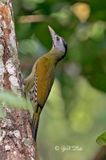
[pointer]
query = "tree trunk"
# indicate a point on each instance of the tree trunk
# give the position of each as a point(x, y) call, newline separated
point(16, 141)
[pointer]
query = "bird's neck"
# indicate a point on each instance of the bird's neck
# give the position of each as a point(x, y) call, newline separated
point(56, 55)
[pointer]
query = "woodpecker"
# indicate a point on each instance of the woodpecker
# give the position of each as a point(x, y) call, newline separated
point(39, 83)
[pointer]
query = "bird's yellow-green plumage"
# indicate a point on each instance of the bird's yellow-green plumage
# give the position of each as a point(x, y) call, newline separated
point(43, 74)
point(38, 84)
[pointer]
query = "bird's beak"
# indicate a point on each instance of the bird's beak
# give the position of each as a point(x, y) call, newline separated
point(52, 32)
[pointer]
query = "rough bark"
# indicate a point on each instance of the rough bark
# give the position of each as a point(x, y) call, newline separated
point(16, 141)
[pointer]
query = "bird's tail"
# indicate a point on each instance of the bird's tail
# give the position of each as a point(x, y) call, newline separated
point(35, 122)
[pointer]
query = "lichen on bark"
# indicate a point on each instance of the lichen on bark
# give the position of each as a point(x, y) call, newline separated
point(16, 140)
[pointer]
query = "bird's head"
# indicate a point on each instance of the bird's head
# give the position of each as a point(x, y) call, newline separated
point(58, 42)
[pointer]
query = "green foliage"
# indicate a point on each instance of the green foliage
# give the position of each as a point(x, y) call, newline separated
point(101, 140)
point(76, 111)
point(13, 101)
point(85, 34)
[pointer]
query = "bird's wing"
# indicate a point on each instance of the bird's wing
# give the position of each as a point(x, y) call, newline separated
point(38, 86)
point(30, 90)
point(44, 79)
point(28, 83)
point(44, 76)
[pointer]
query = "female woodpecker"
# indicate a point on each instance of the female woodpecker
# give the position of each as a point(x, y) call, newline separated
point(38, 84)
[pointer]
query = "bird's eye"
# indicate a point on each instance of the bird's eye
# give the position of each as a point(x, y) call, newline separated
point(57, 38)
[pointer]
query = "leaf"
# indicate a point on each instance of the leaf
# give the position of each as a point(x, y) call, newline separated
point(101, 140)
point(13, 100)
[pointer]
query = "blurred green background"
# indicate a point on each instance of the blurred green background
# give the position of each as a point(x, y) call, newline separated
point(75, 112)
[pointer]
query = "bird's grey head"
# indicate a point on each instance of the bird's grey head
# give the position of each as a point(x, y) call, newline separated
point(58, 42)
